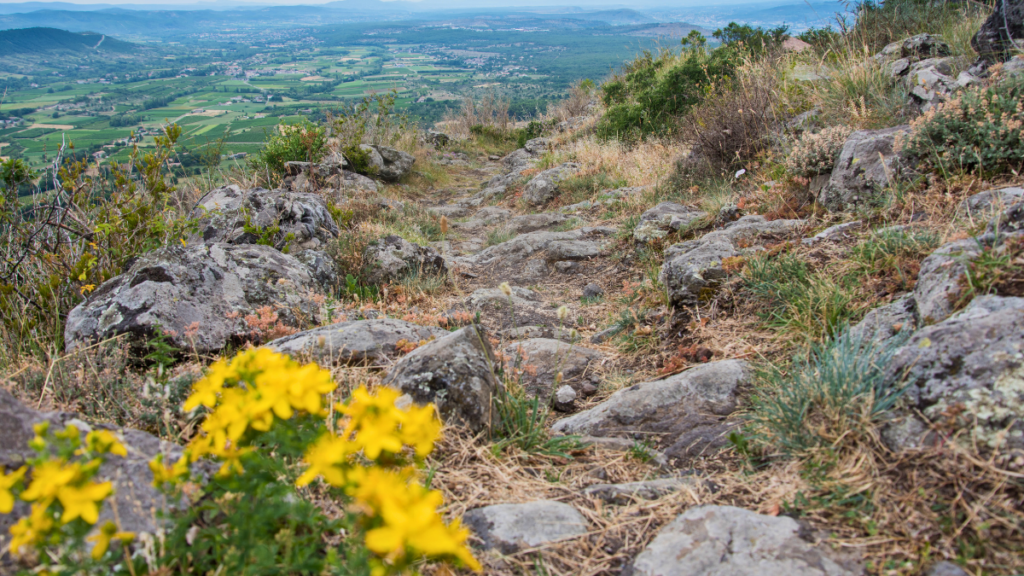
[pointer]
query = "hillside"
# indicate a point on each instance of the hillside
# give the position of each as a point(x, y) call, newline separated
point(750, 310)
point(23, 41)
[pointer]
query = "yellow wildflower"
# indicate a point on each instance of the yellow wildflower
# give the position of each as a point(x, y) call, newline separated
point(83, 501)
point(48, 478)
point(324, 458)
point(86, 289)
point(32, 529)
point(107, 533)
point(7, 482)
point(104, 442)
point(163, 473)
point(420, 429)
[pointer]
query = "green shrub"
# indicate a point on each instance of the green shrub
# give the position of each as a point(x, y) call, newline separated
point(978, 131)
point(652, 92)
point(301, 142)
point(837, 389)
point(754, 40)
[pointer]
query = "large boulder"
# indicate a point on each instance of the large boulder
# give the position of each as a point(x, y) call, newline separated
point(134, 496)
point(867, 163)
point(664, 218)
point(514, 527)
point(692, 270)
point(395, 164)
point(729, 541)
point(688, 410)
point(456, 374)
point(543, 187)
point(542, 359)
point(970, 366)
point(1002, 33)
point(391, 258)
point(238, 216)
point(370, 341)
point(198, 296)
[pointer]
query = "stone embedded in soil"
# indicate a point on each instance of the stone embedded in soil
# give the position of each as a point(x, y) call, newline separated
point(938, 283)
point(984, 204)
point(946, 569)
point(455, 373)
point(514, 527)
point(541, 359)
point(533, 222)
point(526, 258)
point(971, 364)
point(729, 541)
point(664, 218)
point(393, 257)
point(630, 491)
point(861, 171)
point(564, 399)
point(134, 495)
point(688, 411)
point(198, 296)
point(837, 232)
point(372, 341)
point(886, 322)
point(524, 313)
point(592, 291)
point(543, 187)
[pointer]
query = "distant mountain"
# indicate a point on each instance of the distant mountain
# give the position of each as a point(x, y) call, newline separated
point(39, 40)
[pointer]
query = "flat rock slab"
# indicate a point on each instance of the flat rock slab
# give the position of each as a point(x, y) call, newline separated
point(688, 409)
point(728, 541)
point(630, 491)
point(371, 341)
point(541, 359)
point(514, 527)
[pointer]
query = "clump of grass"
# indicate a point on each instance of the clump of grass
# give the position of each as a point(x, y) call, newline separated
point(498, 235)
point(799, 301)
point(997, 270)
point(523, 424)
point(417, 281)
point(891, 249)
point(837, 390)
point(580, 187)
point(570, 224)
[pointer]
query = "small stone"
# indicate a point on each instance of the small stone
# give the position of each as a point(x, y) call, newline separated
point(592, 291)
point(564, 399)
point(513, 527)
point(946, 569)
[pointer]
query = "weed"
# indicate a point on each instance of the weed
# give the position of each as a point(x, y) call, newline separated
point(641, 451)
point(522, 423)
point(997, 270)
point(499, 235)
point(415, 281)
point(894, 252)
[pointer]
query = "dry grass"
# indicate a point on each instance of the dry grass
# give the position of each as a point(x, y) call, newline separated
point(645, 164)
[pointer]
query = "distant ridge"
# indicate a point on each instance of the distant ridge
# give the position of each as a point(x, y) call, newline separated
point(39, 40)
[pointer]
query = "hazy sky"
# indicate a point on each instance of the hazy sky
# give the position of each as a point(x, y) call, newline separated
point(191, 4)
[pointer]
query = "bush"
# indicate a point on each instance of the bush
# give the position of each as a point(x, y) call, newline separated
point(652, 92)
point(268, 427)
point(816, 153)
point(302, 142)
point(978, 131)
point(754, 40)
point(837, 390)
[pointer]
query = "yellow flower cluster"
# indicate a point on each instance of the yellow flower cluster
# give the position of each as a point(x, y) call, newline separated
point(246, 393)
point(59, 481)
point(402, 514)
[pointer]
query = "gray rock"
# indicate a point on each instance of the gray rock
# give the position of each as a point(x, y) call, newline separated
point(371, 341)
point(392, 257)
point(728, 541)
point(837, 232)
point(564, 399)
point(662, 219)
point(1014, 66)
point(1002, 32)
point(211, 286)
point(542, 359)
point(134, 495)
point(450, 211)
point(946, 569)
point(915, 48)
point(542, 188)
point(537, 146)
point(861, 171)
point(514, 527)
point(938, 283)
point(223, 214)
point(971, 364)
point(560, 250)
point(930, 82)
point(513, 260)
point(906, 432)
point(568, 267)
point(605, 335)
point(394, 163)
point(533, 222)
point(984, 204)
point(522, 315)
point(321, 267)
point(592, 291)
point(885, 322)
point(688, 409)
point(438, 139)
point(631, 491)
point(456, 374)
point(376, 163)
point(1008, 222)
point(352, 181)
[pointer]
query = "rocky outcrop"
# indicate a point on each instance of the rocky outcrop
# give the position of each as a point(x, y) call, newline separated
point(664, 218)
point(394, 164)
point(543, 359)
point(544, 186)
point(1002, 33)
point(692, 270)
point(516, 162)
point(867, 164)
point(915, 48)
point(530, 257)
point(134, 496)
point(237, 216)
point(931, 82)
point(197, 296)
point(970, 365)
point(986, 204)
point(391, 258)
point(369, 341)
point(938, 283)
point(688, 410)
point(514, 527)
point(723, 540)
point(519, 315)
point(456, 374)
